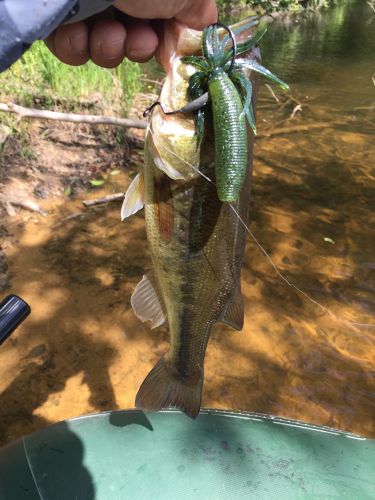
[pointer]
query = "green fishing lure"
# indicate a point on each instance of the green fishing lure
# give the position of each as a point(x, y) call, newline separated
point(221, 80)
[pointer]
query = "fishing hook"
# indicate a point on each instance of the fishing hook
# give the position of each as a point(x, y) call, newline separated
point(234, 43)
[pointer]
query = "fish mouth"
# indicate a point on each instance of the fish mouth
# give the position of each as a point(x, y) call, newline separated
point(177, 39)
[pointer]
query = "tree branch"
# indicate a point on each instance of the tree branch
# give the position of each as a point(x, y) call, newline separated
point(298, 128)
point(105, 199)
point(23, 112)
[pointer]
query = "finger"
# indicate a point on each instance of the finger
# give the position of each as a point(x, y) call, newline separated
point(195, 13)
point(141, 41)
point(50, 42)
point(107, 43)
point(198, 14)
point(70, 43)
point(148, 9)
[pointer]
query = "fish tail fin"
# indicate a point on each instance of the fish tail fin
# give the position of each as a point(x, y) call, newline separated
point(163, 388)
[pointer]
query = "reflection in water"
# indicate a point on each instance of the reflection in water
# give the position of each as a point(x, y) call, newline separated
point(313, 211)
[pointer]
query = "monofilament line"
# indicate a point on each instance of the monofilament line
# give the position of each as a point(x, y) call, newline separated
point(284, 278)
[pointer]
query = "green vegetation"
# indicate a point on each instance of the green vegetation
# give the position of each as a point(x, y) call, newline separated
point(38, 78)
point(228, 7)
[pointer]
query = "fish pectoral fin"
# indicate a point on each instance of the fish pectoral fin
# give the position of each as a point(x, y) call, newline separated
point(164, 388)
point(146, 301)
point(233, 314)
point(162, 164)
point(134, 197)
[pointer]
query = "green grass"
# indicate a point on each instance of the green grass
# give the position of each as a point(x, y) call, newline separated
point(40, 78)
point(226, 7)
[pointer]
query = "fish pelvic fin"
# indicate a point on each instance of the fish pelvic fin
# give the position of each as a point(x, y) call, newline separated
point(164, 388)
point(233, 314)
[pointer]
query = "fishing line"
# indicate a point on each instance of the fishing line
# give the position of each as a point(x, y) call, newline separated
point(252, 235)
point(285, 279)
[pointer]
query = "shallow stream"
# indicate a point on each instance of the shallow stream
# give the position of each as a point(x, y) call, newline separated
point(82, 350)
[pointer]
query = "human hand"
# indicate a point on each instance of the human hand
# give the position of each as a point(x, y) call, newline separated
point(107, 40)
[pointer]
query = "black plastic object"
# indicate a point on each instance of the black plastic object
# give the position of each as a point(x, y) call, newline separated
point(13, 310)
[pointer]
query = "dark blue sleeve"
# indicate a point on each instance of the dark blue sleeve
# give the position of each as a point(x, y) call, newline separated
point(24, 21)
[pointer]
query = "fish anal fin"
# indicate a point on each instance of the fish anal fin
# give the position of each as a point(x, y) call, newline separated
point(163, 388)
point(134, 197)
point(147, 302)
point(233, 314)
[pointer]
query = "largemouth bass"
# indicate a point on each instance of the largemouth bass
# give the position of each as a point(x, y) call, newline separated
point(196, 241)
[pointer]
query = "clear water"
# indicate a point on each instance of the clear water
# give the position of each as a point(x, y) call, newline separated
point(314, 213)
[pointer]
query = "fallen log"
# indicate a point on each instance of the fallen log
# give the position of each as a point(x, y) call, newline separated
point(41, 114)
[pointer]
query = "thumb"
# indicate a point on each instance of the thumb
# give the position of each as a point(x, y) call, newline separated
point(198, 14)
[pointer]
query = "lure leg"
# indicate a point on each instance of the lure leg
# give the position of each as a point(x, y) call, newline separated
point(213, 51)
point(246, 46)
point(196, 61)
point(258, 68)
point(246, 90)
point(253, 21)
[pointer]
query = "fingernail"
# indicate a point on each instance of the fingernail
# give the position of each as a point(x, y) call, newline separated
point(78, 43)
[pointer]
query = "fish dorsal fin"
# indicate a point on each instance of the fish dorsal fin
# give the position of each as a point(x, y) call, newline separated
point(146, 301)
point(233, 313)
point(134, 197)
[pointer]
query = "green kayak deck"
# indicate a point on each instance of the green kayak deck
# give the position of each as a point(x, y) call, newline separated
point(221, 455)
